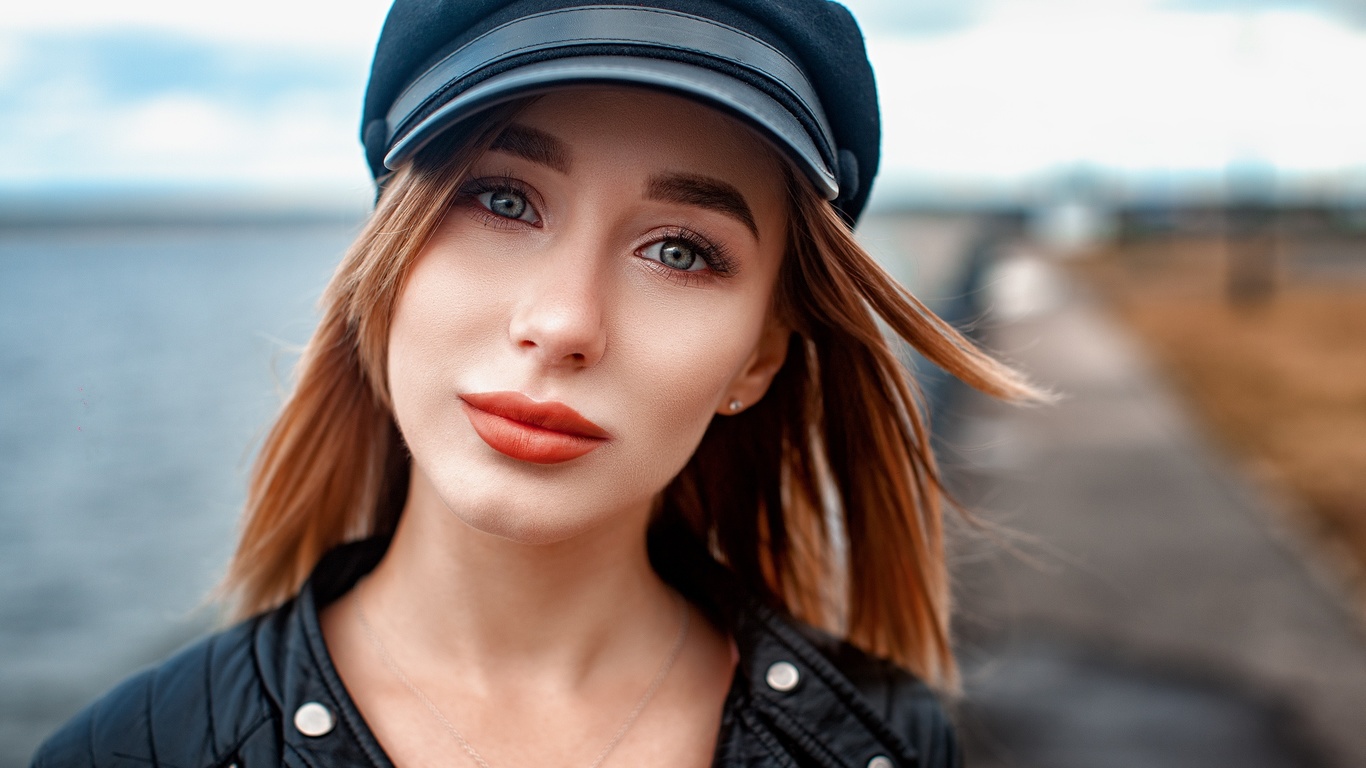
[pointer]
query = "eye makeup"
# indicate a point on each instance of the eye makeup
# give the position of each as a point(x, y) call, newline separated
point(473, 189)
point(504, 189)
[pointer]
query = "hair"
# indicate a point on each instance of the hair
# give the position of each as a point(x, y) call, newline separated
point(832, 468)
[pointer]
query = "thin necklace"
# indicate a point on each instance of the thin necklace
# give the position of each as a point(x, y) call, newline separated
point(460, 738)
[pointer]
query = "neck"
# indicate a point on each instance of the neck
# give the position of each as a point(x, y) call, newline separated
point(458, 595)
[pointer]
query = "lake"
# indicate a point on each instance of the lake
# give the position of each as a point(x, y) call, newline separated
point(138, 366)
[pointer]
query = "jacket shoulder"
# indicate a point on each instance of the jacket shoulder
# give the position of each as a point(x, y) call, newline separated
point(909, 707)
point(201, 707)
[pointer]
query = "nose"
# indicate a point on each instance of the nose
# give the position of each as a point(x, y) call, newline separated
point(559, 317)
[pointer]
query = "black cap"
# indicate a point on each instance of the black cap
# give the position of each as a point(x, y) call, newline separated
point(795, 70)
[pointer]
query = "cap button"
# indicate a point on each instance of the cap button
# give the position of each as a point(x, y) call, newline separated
point(782, 676)
point(881, 761)
point(313, 719)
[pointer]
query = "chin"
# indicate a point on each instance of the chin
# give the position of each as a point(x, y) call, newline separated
point(535, 526)
point(531, 512)
point(468, 485)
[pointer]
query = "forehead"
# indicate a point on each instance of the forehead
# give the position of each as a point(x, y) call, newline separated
point(650, 130)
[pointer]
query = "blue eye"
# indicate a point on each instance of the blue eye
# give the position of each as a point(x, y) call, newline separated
point(677, 254)
point(507, 203)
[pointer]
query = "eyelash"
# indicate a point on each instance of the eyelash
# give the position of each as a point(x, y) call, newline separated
point(720, 263)
point(473, 188)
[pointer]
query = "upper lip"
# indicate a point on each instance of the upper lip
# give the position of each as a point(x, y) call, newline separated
point(551, 415)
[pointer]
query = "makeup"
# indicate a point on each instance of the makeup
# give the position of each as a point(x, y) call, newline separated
point(538, 432)
point(586, 287)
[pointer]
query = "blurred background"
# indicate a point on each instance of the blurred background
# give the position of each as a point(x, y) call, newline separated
point(1155, 207)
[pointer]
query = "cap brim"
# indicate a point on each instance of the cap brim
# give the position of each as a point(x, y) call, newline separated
point(710, 87)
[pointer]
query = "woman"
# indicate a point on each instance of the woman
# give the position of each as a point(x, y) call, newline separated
point(600, 401)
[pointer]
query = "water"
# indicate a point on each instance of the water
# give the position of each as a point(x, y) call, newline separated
point(138, 367)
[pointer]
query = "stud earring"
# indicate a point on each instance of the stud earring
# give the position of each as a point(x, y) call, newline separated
point(735, 406)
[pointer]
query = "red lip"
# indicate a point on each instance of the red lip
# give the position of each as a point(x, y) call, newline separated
point(541, 433)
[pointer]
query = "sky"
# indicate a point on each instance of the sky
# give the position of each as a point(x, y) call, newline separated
point(978, 96)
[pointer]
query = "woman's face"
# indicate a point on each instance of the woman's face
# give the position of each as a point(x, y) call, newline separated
point(600, 288)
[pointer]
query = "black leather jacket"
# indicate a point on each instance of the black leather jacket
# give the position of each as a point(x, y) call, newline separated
point(265, 693)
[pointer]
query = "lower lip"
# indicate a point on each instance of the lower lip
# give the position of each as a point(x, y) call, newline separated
point(525, 442)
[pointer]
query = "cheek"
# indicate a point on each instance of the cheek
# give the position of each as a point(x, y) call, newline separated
point(676, 374)
point(444, 316)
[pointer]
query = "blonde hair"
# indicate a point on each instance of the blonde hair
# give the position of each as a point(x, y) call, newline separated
point(832, 467)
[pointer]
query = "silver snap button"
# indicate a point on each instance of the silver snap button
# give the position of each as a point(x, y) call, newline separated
point(881, 761)
point(782, 676)
point(313, 719)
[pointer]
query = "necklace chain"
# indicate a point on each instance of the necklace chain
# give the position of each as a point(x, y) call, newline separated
point(460, 738)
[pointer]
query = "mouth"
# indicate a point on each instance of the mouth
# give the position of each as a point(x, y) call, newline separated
point(538, 432)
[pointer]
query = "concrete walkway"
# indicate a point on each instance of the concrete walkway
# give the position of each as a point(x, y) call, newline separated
point(1158, 609)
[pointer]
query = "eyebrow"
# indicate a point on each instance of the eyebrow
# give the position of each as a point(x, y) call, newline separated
point(537, 146)
point(703, 192)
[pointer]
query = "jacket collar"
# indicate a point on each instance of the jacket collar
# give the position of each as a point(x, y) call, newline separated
point(768, 710)
point(298, 671)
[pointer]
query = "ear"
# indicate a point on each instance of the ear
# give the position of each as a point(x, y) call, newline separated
point(757, 374)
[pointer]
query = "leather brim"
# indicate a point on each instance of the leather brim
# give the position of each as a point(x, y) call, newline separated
point(711, 88)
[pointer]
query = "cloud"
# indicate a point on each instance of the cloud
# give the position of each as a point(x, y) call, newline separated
point(129, 64)
point(1137, 92)
point(140, 106)
point(909, 18)
point(319, 24)
point(1352, 11)
point(1007, 90)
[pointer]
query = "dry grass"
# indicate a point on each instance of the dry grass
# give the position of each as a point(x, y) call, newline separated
point(1281, 382)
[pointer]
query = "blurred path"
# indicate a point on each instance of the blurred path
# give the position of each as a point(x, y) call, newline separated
point(1170, 619)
